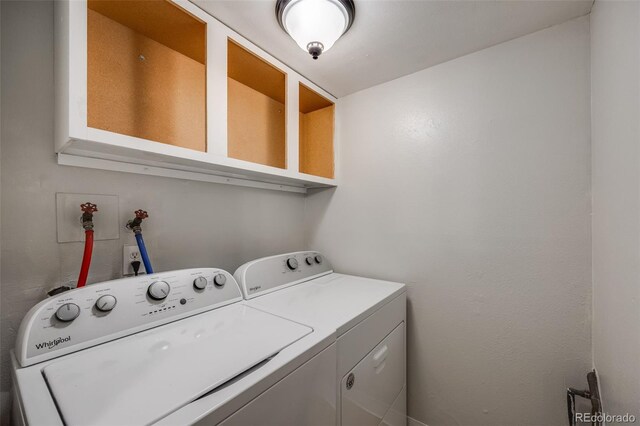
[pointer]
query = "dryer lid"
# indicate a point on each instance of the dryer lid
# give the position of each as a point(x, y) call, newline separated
point(142, 378)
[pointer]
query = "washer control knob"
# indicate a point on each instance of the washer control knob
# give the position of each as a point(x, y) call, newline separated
point(200, 283)
point(106, 303)
point(219, 280)
point(292, 263)
point(318, 259)
point(309, 260)
point(159, 290)
point(68, 312)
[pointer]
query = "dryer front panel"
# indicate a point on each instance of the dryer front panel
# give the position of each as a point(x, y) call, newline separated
point(369, 390)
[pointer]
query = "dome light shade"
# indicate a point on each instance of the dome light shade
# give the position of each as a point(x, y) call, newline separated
point(315, 25)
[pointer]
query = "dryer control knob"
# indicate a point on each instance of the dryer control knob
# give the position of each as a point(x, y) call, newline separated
point(318, 259)
point(159, 290)
point(68, 312)
point(200, 283)
point(219, 280)
point(106, 303)
point(292, 263)
point(309, 260)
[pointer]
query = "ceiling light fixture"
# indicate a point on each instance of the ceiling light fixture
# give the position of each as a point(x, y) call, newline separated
point(315, 24)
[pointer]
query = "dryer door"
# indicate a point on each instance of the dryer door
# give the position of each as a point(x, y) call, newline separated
point(370, 389)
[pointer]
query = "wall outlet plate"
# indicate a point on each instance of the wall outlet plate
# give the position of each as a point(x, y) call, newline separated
point(131, 254)
point(69, 217)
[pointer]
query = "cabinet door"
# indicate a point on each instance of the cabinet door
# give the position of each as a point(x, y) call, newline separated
point(369, 390)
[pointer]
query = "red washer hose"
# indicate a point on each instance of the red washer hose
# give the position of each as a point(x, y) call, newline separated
point(86, 258)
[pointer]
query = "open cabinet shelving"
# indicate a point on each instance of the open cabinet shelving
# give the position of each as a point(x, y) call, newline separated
point(256, 111)
point(316, 133)
point(161, 87)
point(144, 77)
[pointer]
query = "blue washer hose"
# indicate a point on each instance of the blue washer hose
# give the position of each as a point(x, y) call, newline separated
point(143, 253)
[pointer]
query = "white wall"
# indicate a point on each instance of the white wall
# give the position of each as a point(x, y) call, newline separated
point(615, 130)
point(469, 181)
point(190, 224)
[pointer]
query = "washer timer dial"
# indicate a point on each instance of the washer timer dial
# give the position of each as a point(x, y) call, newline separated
point(159, 290)
point(292, 263)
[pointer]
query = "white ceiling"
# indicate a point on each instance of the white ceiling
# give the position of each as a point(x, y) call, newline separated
point(392, 38)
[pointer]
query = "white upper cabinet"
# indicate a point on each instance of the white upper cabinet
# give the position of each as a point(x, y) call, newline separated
point(160, 87)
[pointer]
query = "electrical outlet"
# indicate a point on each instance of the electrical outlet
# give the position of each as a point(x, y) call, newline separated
point(131, 254)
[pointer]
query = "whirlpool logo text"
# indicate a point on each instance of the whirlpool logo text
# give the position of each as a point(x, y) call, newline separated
point(53, 343)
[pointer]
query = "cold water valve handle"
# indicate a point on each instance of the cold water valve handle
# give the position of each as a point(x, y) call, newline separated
point(135, 225)
point(141, 214)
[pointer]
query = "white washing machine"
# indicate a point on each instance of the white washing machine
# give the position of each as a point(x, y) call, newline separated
point(369, 319)
point(171, 348)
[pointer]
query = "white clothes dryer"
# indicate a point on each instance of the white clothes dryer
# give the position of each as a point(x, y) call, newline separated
point(368, 316)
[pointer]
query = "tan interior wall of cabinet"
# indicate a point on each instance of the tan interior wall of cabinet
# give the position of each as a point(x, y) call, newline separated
point(316, 134)
point(256, 119)
point(161, 98)
point(316, 142)
point(256, 126)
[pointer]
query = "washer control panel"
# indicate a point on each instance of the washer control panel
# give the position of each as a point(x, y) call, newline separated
point(101, 312)
point(268, 274)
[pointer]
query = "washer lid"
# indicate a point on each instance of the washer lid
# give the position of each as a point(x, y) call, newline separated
point(142, 378)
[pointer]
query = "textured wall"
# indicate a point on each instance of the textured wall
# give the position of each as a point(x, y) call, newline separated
point(191, 223)
point(615, 132)
point(469, 181)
